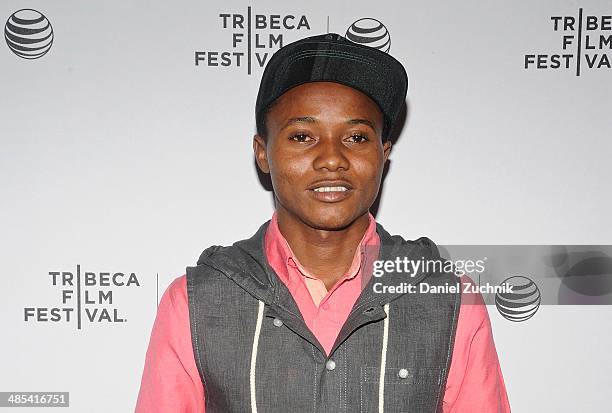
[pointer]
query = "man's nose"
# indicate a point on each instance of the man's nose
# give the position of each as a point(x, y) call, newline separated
point(331, 155)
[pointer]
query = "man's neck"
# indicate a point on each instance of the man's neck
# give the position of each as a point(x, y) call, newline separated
point(326, 254)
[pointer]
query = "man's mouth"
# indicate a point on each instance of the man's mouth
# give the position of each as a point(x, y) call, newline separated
point(330, 185)
point(331, 189)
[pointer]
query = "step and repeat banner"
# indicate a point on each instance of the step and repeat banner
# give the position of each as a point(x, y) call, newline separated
point(126, 149)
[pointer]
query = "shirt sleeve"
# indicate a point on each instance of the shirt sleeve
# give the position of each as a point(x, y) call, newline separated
point(170, 380)
point(475, 382)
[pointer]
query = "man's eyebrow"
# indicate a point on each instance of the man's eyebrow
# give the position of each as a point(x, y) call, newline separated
point(298, 119)
point(310, 119)
point(362, 122)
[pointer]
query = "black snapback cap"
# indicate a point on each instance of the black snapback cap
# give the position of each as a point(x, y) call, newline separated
point(333, 58)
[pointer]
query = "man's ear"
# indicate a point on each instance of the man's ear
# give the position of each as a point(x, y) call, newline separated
point(261, 157)
point(386, 149)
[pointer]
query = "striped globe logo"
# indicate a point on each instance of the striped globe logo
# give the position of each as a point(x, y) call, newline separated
point(522, 303)
point(28, 34)
point(370, 32)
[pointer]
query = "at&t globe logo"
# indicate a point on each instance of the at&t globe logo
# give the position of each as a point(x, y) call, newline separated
point(370, 32)
point(522, 303)
point(28, 34)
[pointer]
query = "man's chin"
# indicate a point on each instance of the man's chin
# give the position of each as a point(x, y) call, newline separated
point(331, 220)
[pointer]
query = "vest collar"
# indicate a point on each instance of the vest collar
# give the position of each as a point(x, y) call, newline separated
point(246, 264)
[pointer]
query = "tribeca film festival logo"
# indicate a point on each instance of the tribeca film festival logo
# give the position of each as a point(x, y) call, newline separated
point(85, 297)
point(585, 41)
point(28, 34)
point(253, 38)
point(370, 32)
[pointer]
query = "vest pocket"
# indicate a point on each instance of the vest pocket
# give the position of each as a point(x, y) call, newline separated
point(405, 389)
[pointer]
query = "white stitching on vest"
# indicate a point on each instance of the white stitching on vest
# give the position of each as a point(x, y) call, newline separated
point(314, 393)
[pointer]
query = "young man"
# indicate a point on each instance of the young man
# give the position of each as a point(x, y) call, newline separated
point(292, 319)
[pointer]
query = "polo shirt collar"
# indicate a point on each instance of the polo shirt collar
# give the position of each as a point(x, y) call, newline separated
point(276, 243)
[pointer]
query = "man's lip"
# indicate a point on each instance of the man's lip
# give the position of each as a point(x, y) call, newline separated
point(320, 184)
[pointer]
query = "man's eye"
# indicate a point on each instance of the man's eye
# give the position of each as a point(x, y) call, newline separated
point(358, 138)
point(300, 137)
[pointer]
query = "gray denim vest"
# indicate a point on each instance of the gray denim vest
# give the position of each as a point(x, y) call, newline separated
point(255, 353)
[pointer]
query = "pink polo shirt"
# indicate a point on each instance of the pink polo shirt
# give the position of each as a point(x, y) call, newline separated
point(171, 382)
point(324, 312)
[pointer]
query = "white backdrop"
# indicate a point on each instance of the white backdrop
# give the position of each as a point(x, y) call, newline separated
point(120, 154)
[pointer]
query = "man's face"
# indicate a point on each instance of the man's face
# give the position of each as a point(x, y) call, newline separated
point(324, 154)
